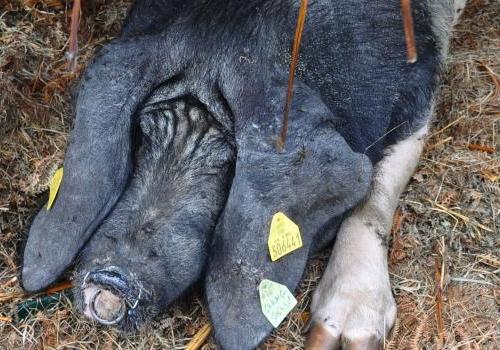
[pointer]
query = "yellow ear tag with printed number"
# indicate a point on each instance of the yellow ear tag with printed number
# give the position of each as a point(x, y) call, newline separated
point(276, 301)
point(54, 187)
point(284, 236)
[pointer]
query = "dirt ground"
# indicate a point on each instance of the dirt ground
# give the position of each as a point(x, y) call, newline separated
point(445, 248)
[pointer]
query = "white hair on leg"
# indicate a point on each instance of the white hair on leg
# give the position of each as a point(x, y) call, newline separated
point(354, 301)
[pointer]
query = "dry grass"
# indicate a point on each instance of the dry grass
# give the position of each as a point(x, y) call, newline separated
point(445, 258)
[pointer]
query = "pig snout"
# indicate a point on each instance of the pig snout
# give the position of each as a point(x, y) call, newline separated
point(103, 305)
point(108, 296)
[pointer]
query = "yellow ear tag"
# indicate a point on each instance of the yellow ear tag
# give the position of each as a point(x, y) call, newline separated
point(54, 187)
point(284, 236)
point(276, 301)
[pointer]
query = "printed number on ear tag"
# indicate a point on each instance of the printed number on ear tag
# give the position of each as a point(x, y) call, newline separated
point(54, 187)
point(284, 236)
point(276, 301)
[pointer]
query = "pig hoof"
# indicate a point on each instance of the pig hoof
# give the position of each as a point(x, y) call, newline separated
point(350, 315)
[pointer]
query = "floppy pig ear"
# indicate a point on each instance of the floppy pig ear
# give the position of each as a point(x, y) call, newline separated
point(98, 159)
point(314, 181)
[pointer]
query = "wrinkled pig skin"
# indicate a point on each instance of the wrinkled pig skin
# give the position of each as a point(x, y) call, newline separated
point(149, 197)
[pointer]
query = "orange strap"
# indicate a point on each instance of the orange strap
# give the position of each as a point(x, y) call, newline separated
point(73, 35)
point(291, 76)
point(411, 47)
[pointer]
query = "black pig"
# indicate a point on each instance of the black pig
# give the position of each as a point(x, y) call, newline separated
point(172, 159)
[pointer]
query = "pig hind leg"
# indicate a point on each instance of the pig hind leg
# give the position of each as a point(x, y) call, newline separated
point(353, 305)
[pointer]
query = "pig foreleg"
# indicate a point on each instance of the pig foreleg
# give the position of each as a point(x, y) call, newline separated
point(353, 305)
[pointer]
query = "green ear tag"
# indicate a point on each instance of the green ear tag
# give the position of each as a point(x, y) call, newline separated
point(54, 187)
point(276, 301)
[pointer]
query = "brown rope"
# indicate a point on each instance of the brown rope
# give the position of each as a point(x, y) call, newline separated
point(73, 36)
point(291, 76)
point(411, 47)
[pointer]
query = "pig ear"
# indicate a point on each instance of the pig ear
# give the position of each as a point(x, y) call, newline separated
point(314, 181)
point(95, 172)
point(97, 163)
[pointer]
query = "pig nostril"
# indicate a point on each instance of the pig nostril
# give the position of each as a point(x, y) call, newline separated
point(109, 296)
point(107, 308)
